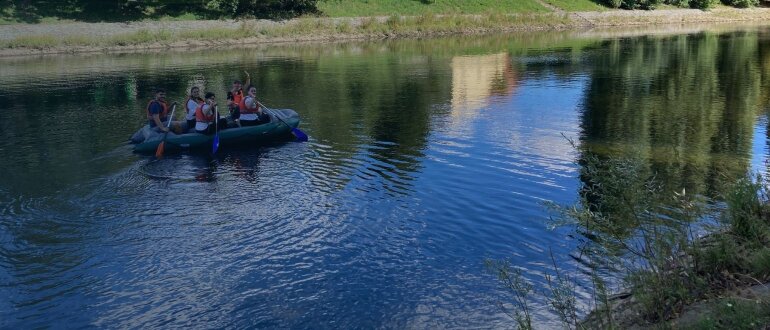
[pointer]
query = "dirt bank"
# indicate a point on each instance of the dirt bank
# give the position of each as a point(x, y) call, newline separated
point(88, 35)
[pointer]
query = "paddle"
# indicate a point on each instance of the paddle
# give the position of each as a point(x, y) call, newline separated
point(162, 145)
point(300, 135)
point(215, 145)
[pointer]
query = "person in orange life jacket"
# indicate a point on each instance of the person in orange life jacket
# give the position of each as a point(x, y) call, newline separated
point(205, 116)
point(234, 98)
point(191, 103)
point(251, 112)
point(158, 111)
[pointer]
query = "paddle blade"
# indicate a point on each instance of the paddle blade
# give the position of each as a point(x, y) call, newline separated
point(161, 148)
point(301, 136)
point(215, 145)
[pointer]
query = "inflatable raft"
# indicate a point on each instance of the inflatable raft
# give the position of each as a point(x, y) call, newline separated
point(146, 140)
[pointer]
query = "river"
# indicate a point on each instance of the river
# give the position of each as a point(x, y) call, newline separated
point(425, 158)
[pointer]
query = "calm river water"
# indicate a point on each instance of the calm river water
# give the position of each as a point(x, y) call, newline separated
point(426, 157)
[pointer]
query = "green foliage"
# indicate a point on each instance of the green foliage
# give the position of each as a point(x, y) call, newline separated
point(748, 210)
point(361, 8)
point(759, 261)
point(666, 266)
point(701, 4)
point(129, 10)
point(678, 3)
point(513, 280)
point(141, 37)
point(651, 4)
point(264, 8)
point(633, 4)
point(576, 5)
point(560, 296)
point(662, 295)
point(720, 255)
point(736, 314)
point(640, 4)
point(741, 3)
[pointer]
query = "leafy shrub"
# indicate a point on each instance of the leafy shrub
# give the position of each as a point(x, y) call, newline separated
point(741, 3)
point(701, 4)
point(748, 210)
point(264, 8)
point(678, 3)
point(640, 4)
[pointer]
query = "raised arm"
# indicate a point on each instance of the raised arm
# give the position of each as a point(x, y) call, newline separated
point(248, 79)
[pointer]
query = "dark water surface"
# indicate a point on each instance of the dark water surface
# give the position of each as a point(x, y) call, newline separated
point(425, 158)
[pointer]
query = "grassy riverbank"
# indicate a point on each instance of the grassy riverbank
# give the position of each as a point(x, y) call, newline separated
point(355, 8)
point(297, 29)
point(167, 34)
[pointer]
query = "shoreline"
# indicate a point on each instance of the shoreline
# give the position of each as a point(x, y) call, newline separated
point(80, 38)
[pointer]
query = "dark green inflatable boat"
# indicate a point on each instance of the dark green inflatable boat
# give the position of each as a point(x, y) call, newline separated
point(146, 140)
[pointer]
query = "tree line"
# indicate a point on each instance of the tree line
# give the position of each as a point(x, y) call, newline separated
point(125, 10)
point(700, 4)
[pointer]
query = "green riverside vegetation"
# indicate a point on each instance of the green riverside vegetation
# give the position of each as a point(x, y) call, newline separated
point(360, 8)
point(576, 5)
point(665, 265)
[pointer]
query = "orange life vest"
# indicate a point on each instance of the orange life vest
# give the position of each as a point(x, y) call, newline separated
point(238, 97)
point(163, 112)
point(200, 117)
point(245, 109)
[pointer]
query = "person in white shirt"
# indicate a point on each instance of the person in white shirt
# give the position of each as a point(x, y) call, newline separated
point(251, 113)
point(205, 115)
point(192, 103)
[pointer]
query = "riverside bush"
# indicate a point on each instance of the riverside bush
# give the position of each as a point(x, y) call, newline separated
point(741, 3)
point(701, 4)
point(633, 4)
point(632, 228)
point(678, 3)
point(126, 10)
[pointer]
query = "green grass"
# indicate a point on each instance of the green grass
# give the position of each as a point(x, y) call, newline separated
point(183, 17)
point(141, 37)
point(360, 8)
point(576, 5)
point(735, 314)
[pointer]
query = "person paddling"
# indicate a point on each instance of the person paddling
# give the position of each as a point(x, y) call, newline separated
point(192, 103)
point(157, 112)
point(205, 116)
point(234, 98)
point(251, 113)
